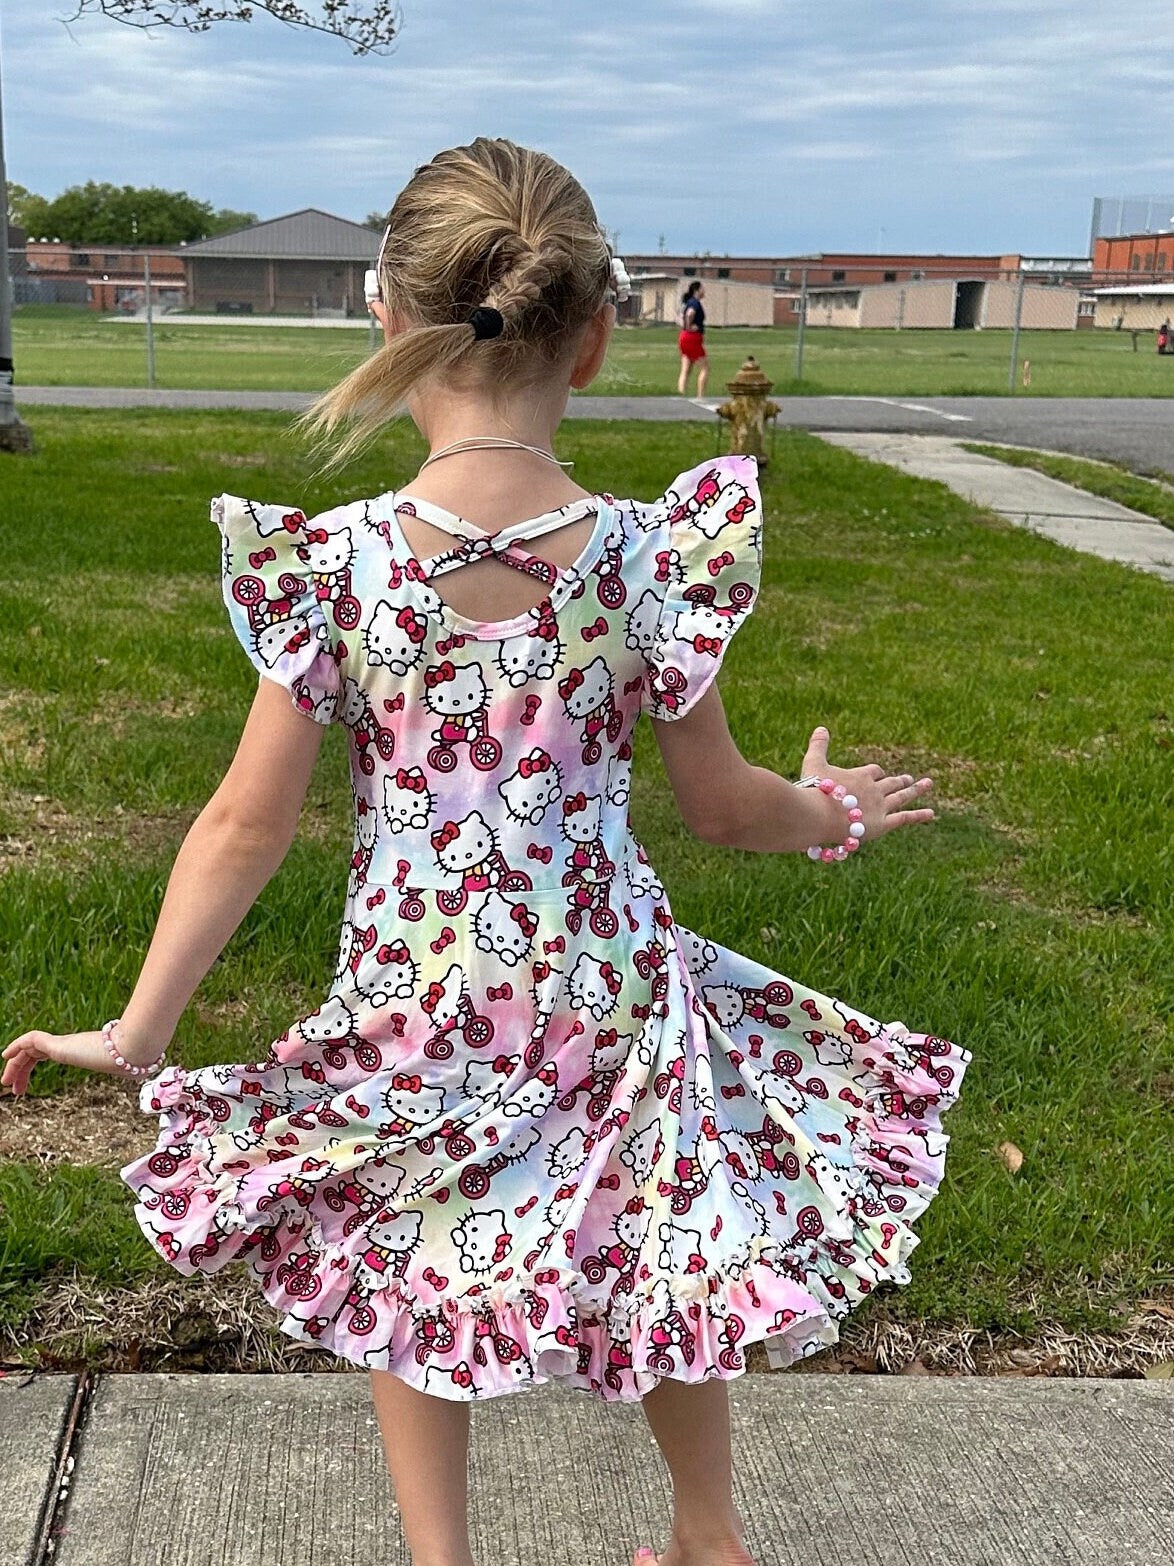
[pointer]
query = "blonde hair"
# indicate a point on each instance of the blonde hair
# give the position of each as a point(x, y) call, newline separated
point(488, 224)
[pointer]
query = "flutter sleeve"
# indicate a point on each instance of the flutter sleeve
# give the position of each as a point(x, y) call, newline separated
point(272, 592)
point(710, 561)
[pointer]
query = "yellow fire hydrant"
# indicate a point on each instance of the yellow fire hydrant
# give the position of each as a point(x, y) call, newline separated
point(748, 410)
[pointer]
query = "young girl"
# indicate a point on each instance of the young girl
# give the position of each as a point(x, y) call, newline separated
point(536, 1131)
point(691, 340)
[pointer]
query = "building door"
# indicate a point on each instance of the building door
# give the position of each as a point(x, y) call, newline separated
point(967, 305)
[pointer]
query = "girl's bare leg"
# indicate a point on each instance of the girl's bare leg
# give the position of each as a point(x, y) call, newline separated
point(702, 376)
point(692, 1428)
point(683, 378)
point(427, 1444)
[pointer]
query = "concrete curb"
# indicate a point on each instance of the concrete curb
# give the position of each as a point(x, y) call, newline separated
point(1069, 516)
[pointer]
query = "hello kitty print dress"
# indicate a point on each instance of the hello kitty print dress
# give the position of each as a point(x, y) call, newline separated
point(535, 1131)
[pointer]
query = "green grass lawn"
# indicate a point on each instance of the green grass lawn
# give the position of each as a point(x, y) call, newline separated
point(1032, 922)
point(59, 346)
point(1154, 498)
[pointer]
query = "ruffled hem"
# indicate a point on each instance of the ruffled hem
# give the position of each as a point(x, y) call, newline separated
point(554, 1324)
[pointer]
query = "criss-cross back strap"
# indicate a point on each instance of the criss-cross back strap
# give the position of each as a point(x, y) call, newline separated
point(472, 543)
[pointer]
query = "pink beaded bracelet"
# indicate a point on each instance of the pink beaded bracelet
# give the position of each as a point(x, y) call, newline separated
point(851, 804)
point(123, 1064)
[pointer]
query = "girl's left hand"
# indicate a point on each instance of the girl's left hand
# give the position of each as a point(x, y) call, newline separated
point(87, 1050)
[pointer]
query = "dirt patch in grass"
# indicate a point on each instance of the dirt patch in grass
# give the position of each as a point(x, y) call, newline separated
point(97, 1123)
point(224, 1323)
point(44, 827)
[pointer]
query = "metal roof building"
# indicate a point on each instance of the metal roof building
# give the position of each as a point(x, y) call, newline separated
point(305, 263)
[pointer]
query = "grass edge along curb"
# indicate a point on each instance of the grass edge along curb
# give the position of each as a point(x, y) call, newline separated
point(1151, 495)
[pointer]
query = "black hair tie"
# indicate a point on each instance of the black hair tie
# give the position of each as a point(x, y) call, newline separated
point(486, 322)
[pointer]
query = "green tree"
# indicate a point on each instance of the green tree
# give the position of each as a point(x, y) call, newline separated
point(224, 221)
point(376, 220)
point(103, 214)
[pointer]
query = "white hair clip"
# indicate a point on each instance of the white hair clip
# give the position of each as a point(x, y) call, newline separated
point(620, 280)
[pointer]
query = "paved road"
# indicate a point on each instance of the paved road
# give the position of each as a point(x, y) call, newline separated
point(845, 1470)
point(1137, 431)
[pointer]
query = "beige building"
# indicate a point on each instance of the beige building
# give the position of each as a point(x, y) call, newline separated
point(943, 303)
point(1142, 308)
point(656, 300)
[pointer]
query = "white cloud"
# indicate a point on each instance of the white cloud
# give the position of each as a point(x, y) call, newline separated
point(724, 124)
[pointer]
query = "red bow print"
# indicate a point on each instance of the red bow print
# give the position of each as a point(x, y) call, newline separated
point(298, 639)
point(715, 565)
point(406, 1084)
point(547, 628)
point(398, 953)
point(529, 765)
point(568, 687)
point(259, 557)
point(737, 512)
point(707, 644)
point(664, 559)
point(316, 535)
point(412, 624)
point(544, 854)
point(574, 802)
point(524, 919)
point(532, 705)
point(590, 632)
point(442, 673)
point(413, 780)
point(293, 520)
point(448, 833)
point(611, 978)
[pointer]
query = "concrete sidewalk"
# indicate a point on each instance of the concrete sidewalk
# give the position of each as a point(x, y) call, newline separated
point(833, 1470)
point(1061, 512)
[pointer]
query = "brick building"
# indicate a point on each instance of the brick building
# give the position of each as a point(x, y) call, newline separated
point(104, 277)
point(1123, 258)
point(305, 263)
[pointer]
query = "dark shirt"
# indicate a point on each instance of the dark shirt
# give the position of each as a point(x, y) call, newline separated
point(696, 322)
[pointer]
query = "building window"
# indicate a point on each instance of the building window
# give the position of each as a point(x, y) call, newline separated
point(782, 274)
point(110, 261)
point(837, 277)
point(688, 271)
point(1135, 262)
point(917, 275)
point(79, 258)
point(1161, 261)
point(890, 277)
point(723, 271)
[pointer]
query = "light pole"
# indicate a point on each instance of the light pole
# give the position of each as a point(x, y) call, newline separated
point(14, 434)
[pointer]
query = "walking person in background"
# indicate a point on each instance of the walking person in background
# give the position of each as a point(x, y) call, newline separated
point(1164, 337)
point(692, 339)
point(525, 1076)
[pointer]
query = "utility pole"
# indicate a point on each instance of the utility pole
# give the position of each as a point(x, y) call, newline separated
point(14, 434)
point(150, 320)
point(802, 326)
point(1011, 368)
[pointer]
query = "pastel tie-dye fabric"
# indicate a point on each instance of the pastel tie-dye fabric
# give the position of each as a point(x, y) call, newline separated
point(535, 1130)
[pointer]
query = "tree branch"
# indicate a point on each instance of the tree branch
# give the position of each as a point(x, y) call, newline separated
point(369, 28)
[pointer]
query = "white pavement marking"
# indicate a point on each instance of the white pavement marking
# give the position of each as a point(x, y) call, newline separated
point(913, 407)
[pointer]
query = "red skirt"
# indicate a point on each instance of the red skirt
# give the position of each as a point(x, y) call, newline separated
point(692, 345)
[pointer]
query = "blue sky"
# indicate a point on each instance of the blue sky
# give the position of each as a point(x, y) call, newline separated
point(734, 126)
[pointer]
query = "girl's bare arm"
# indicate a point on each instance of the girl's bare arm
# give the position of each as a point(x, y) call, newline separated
point(724, 799)
point(233, 848)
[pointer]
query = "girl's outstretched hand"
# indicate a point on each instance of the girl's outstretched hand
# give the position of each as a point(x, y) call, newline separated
point(70, 1049)
point(883, 796)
